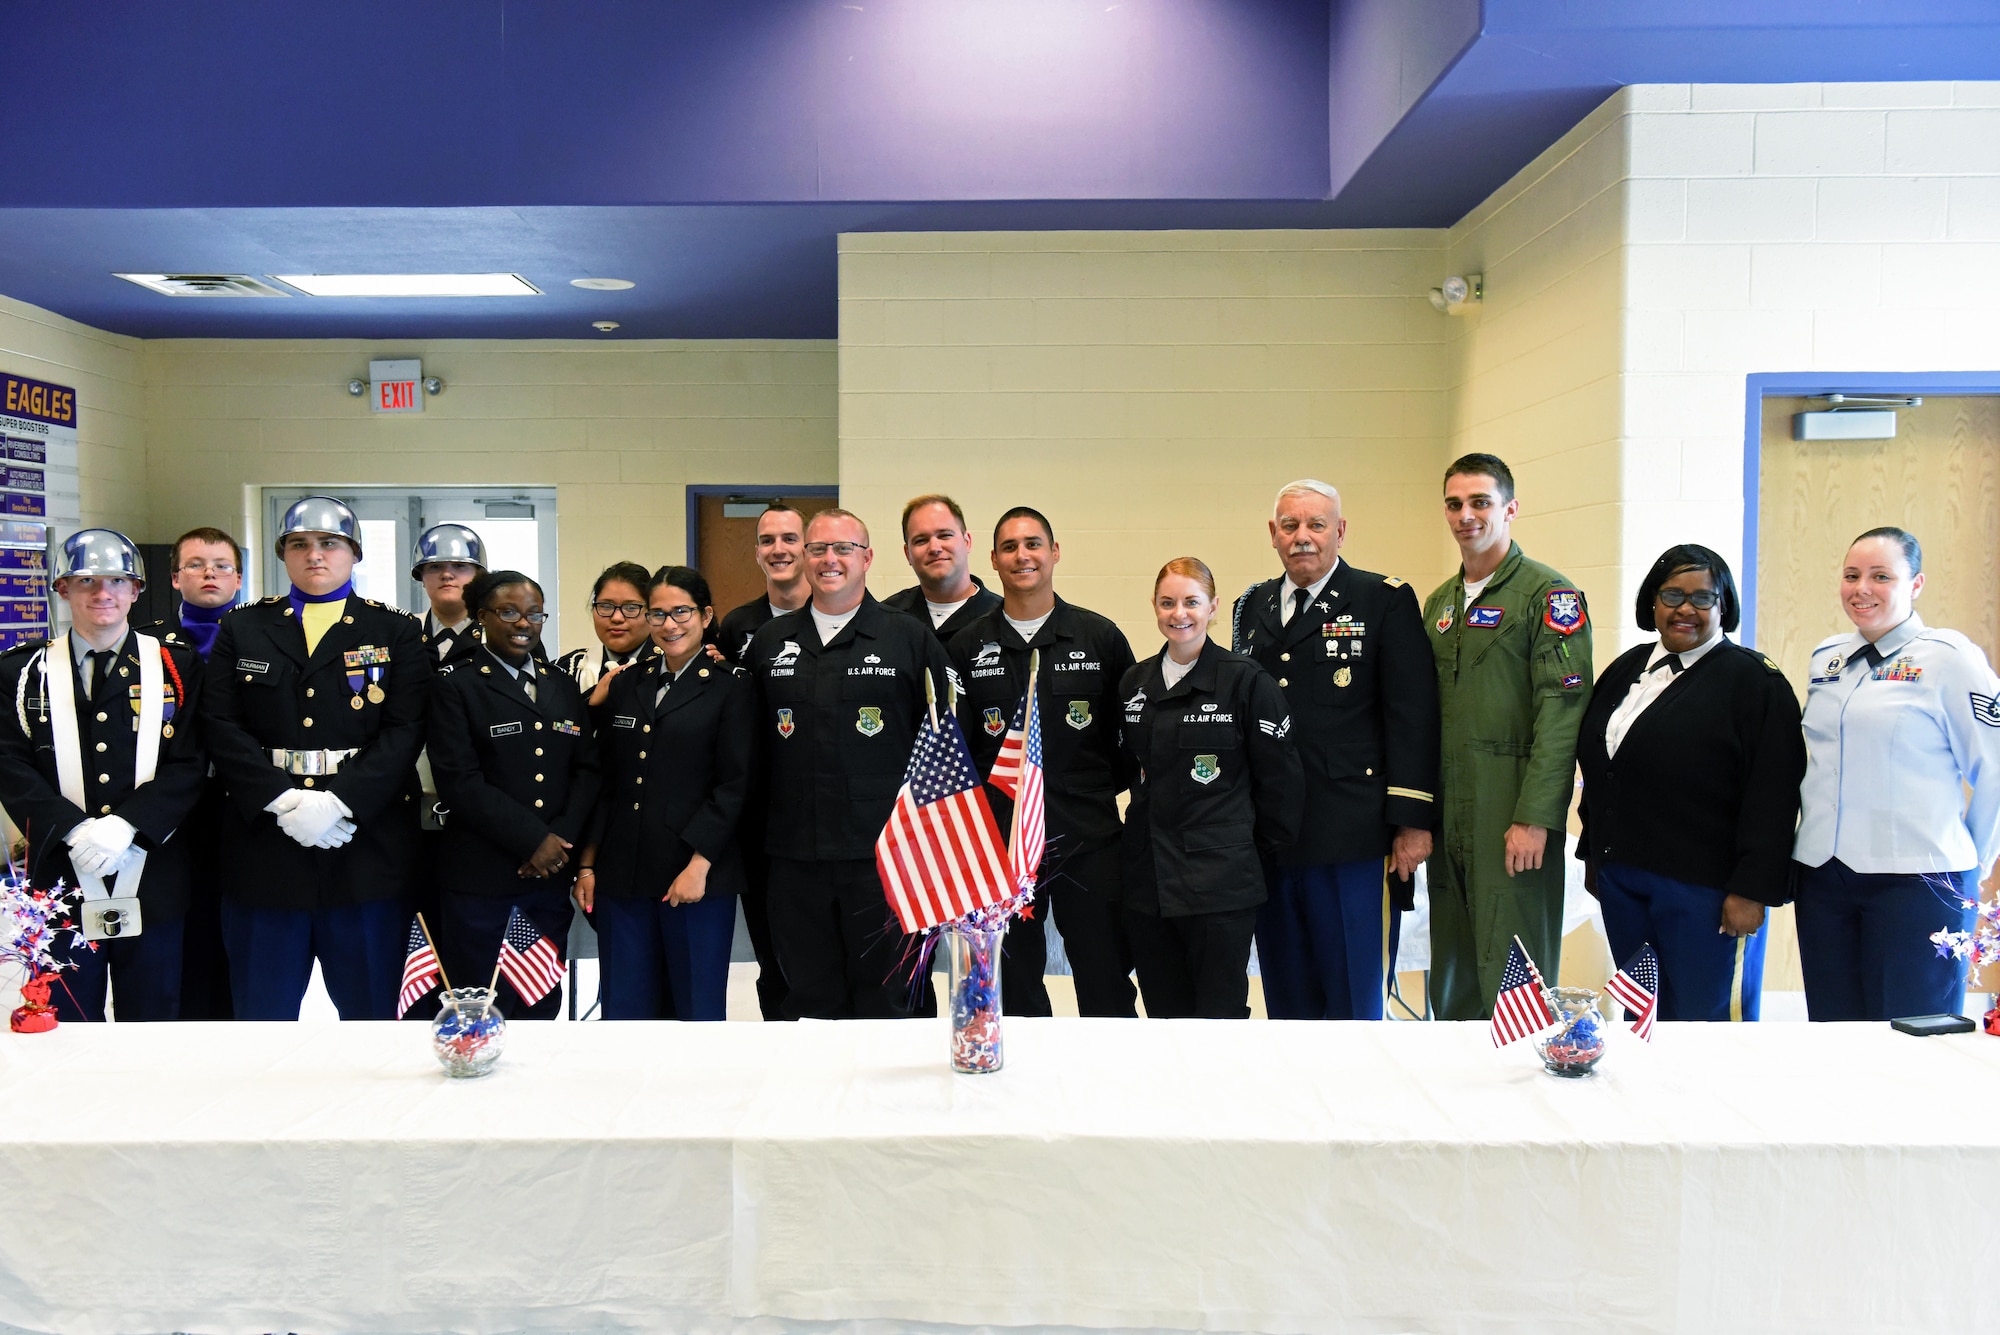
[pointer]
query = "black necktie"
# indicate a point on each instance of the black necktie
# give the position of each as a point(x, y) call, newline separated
point(100, 670)
point(1871, 656)
point(1673, 664)
point(1299, 598)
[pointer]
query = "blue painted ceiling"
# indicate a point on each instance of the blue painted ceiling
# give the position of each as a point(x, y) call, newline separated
point(711, 150)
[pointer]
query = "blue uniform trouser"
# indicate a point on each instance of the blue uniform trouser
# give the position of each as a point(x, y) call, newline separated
point(1319, 941)
point(144, 972)
point(473, 927)
point(661, 961)
point(359, 948)
point(1704, 975)
point(1865, 941)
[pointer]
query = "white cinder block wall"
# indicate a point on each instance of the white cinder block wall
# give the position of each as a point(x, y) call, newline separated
point(619, 430)
point(1839, 228)
point(1148, 391)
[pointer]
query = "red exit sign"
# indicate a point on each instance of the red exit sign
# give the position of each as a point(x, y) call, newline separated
point(394, 386)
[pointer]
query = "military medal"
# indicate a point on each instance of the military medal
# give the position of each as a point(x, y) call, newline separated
point(1343, 676)
point(376, 695)
point(365, 665)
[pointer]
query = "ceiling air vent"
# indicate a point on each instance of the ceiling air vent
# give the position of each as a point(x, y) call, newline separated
point(204, 284)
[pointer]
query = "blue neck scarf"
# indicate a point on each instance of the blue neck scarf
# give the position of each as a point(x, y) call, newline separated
point(299, 598)
point(201, 624)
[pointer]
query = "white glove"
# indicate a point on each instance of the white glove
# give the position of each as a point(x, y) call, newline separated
point(312, 817)
point(98, 846)
point(284, 801)
point(340, 832)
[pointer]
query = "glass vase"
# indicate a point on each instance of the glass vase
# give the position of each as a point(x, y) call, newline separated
point(469, 1032)
point(1572, 1049)
point(974, 955)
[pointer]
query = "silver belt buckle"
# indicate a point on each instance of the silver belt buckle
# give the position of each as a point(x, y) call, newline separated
point(307, 762)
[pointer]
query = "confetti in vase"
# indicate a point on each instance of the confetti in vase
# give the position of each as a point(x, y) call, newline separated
point(974, 954)
point(469, 1032)
point(1573, 1048)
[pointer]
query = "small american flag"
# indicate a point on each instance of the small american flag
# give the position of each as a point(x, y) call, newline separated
point(1520, 1010)
point(939, 856)
point(1017, 772)
point(420, 970)
point(1637, 988)
point(529, 959)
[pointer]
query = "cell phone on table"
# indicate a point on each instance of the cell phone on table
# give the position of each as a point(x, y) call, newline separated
point(1927, 1026)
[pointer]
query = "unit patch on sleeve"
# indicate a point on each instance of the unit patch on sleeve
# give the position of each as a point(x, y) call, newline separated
point(1565, 615)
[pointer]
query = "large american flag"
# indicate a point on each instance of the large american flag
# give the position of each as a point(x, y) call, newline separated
point(529, 959)
point(1017, 772)
point(1520, 1010)
point(1637, 988)
point(939, 856)
point(420, 969)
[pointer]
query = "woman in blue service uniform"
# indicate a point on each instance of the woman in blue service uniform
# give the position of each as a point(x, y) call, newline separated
point(1691, 759)
point(665, 869)
point(1900, 720)
point(516, 769)
point(1220, 787)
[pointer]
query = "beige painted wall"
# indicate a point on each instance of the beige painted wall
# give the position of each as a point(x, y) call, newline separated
point(1535, 366)
point(618, 429)
point(1149, 392)
point(108, 373)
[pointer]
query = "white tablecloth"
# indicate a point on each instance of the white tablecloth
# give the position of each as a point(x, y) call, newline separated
point(1277, 1177)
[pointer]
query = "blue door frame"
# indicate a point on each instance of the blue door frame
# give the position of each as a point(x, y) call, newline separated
point(1792, 384)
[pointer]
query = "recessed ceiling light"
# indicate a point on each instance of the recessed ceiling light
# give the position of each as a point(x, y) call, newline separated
point(601, 284)
point(604, 326)
point(410, 284)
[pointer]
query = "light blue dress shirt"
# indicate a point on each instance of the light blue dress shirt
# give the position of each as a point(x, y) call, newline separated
point(1893, 748)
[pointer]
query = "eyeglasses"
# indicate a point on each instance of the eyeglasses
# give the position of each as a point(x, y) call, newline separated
point(658, 615)
point(819, 549)
point(512, 614)
point(1701, 599)
point(630, 611)
point(219, 567)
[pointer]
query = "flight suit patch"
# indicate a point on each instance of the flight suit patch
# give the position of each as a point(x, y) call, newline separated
point(1572, 681)
point(1565, 615)
point(1484, 618)
point(1078, 716)
point(1444, 622)
point(785, 725)
point(1205, 770)
point(993, 721)
point(870, 720)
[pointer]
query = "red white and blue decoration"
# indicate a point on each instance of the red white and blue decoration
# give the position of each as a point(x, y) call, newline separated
point(1565, 615)
point(1521, 1010)
point(421, 970)
point(1637, 988)
point(940, 855)
point(529, 960)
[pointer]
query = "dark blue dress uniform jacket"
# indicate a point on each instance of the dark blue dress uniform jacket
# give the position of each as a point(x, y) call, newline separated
point(1220, 784)
point(1358, 673)
point(265, 691)
point(510, 771)
point(29, 785)
point(838, 722)
point(676, 777)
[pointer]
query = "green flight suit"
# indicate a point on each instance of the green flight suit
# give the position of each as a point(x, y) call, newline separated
point(1513, 680)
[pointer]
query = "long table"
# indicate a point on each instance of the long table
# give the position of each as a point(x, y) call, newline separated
point(1189, 1175)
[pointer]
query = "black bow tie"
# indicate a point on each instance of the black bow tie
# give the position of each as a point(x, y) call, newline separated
point(1672, 662)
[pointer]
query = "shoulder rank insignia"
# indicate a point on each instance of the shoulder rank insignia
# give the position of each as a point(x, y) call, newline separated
point(1771, 663)
point(1565, 615)
point(1392, 581)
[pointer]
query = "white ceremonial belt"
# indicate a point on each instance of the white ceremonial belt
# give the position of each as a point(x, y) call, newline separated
point(312, 762)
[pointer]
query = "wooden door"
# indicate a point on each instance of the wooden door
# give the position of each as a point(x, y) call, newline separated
point(1939, 478)
point(726, 549)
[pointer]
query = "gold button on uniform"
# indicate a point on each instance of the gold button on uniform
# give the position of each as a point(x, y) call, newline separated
point(645, 727)
point(538, 727)
point(102, 747)
point(309, 722)
point(104, 778)
point(101, 717)
point(538, 778)
point(1281, 682)
point(309, 692)
point(538, 750)
point(538, 801)
point(309, 782)
point(1284, 658)
point(104, 810)
point(635, 807)
point(642, 755)
point(640, 779)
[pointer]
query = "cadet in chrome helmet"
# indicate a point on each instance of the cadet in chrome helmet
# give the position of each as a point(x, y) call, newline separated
point(447, 558)
point(314, 723)
point(98, 765)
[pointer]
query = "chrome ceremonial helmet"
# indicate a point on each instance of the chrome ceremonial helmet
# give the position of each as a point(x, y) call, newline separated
point(447, 543)
point(100, 551)
point(320, 514)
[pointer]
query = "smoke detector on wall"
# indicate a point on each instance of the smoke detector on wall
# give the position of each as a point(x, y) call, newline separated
point(203, 284)
point(1456, 293)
